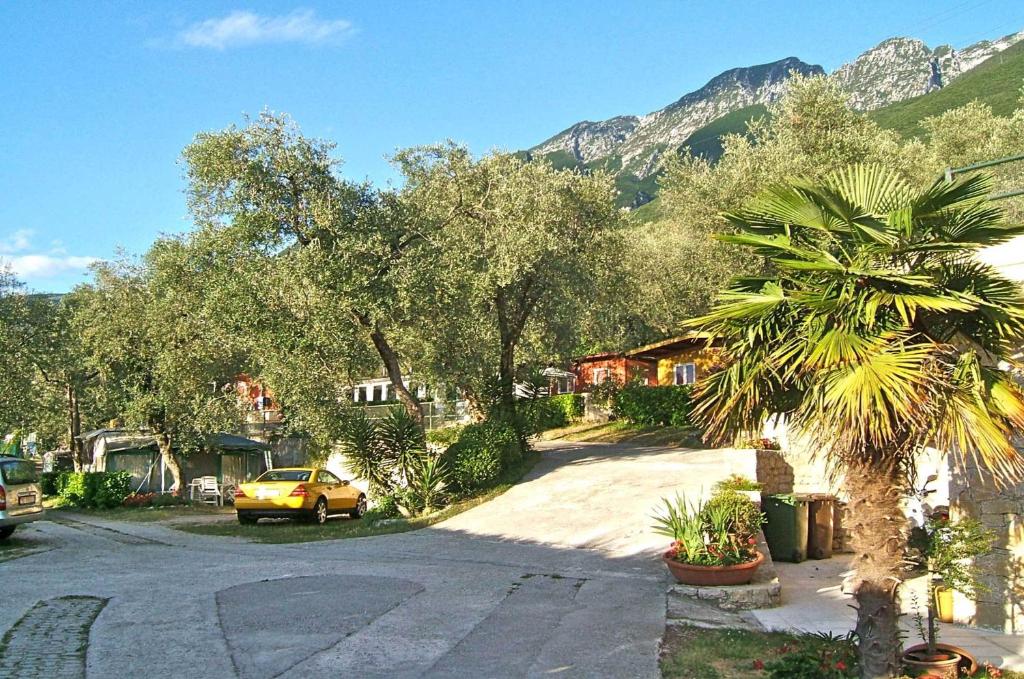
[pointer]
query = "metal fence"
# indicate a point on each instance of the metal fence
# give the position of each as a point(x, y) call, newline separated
point(435, 415)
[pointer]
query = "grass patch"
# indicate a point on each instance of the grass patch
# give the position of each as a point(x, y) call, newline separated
point(148, 514)
point(623, 432)
point(277, 532)
point(695, 653)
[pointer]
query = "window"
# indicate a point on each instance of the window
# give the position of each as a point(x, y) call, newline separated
point(286, 475)
point(685, 373)
point(325, 476)
point(16, 472)
point(601, 375)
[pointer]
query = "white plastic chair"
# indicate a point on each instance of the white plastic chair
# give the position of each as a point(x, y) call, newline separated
point(209, 491)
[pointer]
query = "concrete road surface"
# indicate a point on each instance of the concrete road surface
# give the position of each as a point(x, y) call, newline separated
point(557, 577)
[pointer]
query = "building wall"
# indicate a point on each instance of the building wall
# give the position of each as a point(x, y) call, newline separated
point(620, 368)
point(705, 359)
point(974, 493)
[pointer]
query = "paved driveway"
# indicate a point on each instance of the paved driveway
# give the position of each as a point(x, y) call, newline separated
point(555, 577)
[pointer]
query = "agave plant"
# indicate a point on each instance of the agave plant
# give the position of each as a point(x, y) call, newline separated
point(366, 458)
point(878, 333)
point(426, 483)
point(402, 439)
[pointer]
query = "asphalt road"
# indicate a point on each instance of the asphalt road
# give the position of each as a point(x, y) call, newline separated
point(558, 576)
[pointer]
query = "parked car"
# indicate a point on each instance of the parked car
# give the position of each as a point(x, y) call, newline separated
point(307, 493)
point(21, 498)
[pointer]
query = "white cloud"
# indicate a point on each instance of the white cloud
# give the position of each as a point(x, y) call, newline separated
point(36, 267)
point(31, 265)
point(240, 29)
point(18, 241)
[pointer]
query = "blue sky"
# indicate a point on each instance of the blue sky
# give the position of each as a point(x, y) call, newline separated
point(99, 98)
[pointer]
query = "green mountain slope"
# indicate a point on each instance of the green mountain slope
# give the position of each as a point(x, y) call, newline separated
point(707, 141)
point(996, 82)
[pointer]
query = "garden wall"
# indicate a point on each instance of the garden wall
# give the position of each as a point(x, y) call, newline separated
point(974, 494)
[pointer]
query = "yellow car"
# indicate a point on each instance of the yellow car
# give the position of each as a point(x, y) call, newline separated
point(309, 493)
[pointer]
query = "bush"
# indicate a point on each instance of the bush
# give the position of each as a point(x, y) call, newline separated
point(542, 414)
point(139, 500)
point(481, 453)
point(168, 500)
point(384, 507)
point(445, 436)
point(653, 406)
point(818, 656)
point(571, 405)
point(90, 490)
point(737, 482)
point(48, 482)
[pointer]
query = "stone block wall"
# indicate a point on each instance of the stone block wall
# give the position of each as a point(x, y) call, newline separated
point(774, 473)
point(974, 493)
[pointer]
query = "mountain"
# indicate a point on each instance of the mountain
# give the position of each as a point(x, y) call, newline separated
point(633, 147)
point(995, 82)
point(901, 68)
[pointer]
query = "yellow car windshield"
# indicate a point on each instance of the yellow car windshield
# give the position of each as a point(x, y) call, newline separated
point(286, 475)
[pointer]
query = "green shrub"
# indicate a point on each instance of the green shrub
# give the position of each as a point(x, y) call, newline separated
point(817, 656)
point(481, 453)
point(103, 490)
point(653, 406)
point(737, 482)
point(384, 507)
point(571, 405)
point(445, 436)
point(542, 414)
point(168, 500)
point(48, 482)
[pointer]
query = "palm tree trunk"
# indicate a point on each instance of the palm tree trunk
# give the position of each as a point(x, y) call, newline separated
point(878, 537)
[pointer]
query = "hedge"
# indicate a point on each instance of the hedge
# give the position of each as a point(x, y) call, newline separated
point(654, 406)
point(481, 452)
point(103, 490)
point(571, 405)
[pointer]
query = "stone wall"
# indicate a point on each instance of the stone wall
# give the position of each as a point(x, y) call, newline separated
point(774, 473)
point(974, 493)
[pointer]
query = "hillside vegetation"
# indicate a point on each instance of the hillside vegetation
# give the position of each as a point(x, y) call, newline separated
point(996, 82)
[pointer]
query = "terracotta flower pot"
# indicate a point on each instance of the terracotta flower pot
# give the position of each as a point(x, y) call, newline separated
point(714, 576)
point(945, 664)
point(968, 663)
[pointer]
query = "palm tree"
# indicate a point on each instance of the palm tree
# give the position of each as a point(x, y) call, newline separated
point(876, 334)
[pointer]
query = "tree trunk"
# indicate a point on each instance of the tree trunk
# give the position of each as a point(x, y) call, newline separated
point(878, 537)
point(74, 415)
point(390, 358)
point(508, 337)
point(163, 441)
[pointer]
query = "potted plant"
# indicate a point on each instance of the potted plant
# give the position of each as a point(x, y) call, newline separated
point(946, 549)
point(713, 543)
point(742, 485)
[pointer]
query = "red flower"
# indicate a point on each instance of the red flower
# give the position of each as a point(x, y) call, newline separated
point(758, 664)
point(752, 541)
point(840, 665)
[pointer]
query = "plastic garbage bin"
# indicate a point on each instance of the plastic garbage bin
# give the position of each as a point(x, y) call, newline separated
point(785, 528)
point(819, 529)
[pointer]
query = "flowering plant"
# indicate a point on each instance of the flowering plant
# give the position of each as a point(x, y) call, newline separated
point(720, 532)
point(816, 656)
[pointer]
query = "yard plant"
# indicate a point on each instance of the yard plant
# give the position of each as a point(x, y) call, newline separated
point(876, 333)
point(720, 532)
